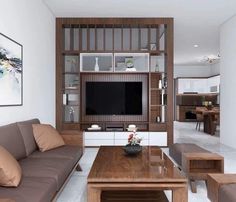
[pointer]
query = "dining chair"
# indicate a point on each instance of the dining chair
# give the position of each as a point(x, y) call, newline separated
point(200, 116)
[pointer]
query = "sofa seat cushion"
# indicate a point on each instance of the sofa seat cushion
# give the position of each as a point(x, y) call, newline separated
point(12, 141)
point(227, 193)
point(56, 168)
point(26, 130)
point(176, 150)
point(31, 189)
point(66, 151)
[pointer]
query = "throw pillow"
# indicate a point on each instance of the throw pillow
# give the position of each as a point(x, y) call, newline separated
point(10, 170)
point(47, 137)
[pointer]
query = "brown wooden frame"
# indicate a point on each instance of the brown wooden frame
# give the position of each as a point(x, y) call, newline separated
point(112, 23)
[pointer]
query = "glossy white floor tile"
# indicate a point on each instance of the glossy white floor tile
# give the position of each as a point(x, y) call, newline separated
point(75, 190)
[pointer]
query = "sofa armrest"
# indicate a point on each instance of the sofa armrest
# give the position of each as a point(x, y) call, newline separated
point(214, 181)
point(73, 137)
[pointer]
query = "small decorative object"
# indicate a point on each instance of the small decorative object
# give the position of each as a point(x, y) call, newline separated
point(157, 68)
point(153, 46)
point(96, 67)
point(133, 147)
point(160, 84)
point(132, 128)
point(71, 111)
point(158, 119)
point(129, 63)
point(10, 72)
point(73, 64)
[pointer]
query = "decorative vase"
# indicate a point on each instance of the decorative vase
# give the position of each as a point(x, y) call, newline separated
point(71, 111)
point(96, 67)
point(132, 150)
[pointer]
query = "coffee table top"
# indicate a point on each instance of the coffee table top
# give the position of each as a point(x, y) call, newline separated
point(150, 165)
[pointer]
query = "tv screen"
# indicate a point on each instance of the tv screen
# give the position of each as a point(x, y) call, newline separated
point(113, 98)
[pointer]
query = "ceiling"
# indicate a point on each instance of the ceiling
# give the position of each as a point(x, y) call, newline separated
point(195, 21)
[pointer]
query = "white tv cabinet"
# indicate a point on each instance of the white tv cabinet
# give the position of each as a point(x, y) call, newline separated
point(99, 138)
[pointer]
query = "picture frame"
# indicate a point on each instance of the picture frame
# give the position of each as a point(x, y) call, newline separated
point(11, 72)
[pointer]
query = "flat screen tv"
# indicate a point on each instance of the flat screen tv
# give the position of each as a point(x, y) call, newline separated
point(113, 98)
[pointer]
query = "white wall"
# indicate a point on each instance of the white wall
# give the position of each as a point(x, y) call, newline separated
point(192, 71)
point(31, 24)
point(228, 82)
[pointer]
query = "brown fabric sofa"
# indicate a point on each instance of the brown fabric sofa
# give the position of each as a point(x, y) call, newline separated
point(43, 173)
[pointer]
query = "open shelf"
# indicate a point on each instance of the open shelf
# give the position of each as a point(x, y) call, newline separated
point(147, 43)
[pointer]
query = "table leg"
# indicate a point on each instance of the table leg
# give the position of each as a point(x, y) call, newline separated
point(93, 194)
point(193, 186)
point(180, 194)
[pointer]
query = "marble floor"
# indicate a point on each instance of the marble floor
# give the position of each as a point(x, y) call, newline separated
point(75, 190)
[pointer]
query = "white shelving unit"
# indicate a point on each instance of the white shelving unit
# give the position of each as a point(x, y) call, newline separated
point(88, 61)
point(140, 62)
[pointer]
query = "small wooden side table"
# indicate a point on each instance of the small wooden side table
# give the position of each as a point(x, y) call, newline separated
point(198, 165)
point(214, 181)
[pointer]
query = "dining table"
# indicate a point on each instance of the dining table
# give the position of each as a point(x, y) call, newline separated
point(209, 119)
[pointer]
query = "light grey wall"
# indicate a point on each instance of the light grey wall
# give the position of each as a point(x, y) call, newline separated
point(215, 69)
point(192, 71)
point(228, 82)
point(31, 24)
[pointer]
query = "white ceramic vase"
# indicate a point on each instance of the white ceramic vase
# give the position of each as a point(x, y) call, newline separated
point(96, 67)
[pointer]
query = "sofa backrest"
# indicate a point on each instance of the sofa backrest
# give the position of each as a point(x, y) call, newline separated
point(26, 131)
point(11, 139)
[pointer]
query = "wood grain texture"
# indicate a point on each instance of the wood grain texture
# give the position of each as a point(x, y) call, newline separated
point(198, 165)
point(72, 137)
point(103, 23)
point(214, 181)
point(111, 77)
point(112, 165)
point(131, 196)
point(151, 170)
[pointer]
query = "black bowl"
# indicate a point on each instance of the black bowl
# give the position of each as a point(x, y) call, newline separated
point(132, 149)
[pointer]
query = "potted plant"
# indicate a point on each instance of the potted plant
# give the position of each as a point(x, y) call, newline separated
point(133, 147)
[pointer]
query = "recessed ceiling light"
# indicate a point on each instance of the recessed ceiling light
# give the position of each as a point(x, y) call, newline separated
point(195, 46)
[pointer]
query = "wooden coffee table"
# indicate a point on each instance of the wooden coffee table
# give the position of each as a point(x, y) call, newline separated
point(151, 170)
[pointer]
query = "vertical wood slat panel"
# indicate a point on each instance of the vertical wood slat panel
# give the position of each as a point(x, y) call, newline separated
point(104, 37)
point(130, 32)
point(139, 38)
point(96, 38)
point(122, 38)
point(71, 38)
point(88, 38)
point(80, 38)
point(158, 38)
point(113, 38)
point(149, 38)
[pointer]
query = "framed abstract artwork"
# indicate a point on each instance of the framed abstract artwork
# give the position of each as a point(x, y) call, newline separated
point(11, 72)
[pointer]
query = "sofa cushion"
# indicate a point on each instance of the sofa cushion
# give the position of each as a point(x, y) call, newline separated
point(10, 170)
point(47, 137)
point(56, 168)
point(12, 141)
point(227, 193)
point(66, 151)
point(31, 189)
point(176, 150)
point(26, 131)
